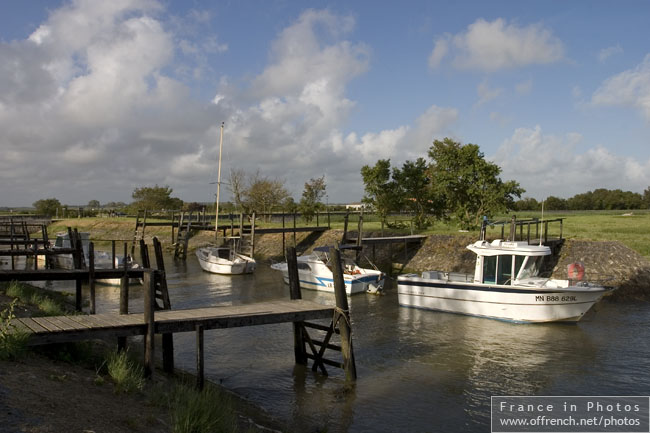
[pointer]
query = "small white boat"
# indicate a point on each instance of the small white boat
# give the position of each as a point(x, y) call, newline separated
point(103, 259)
point(224, 260)
point(506, 285)
point(315, 273)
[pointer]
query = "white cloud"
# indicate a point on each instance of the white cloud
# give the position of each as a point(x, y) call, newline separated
point(629, 88)
point(546, 165)
point(92, 102)
point(491, 46)
point(486, 94)
point(608, 52)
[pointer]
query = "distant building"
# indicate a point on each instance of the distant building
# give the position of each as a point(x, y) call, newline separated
point(357, 206)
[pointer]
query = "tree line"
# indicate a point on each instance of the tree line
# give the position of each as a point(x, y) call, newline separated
point(453, 182)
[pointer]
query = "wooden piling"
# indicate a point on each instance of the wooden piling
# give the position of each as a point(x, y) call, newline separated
point(342, 315)
point(299, 348)
point(149, 320)
point(91, 276)
point(124, 297)
point(167, 338)
point(200, 358)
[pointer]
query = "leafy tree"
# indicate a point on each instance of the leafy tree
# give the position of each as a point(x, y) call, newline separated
point(381, 190)
point(646, 198)
point(469, 185)
point(94, 204)
point(311, 198)
point(155, 198)
point(555, 203)
point(414, 187)
point(527, 203)
point(264, 194)
point(47, 206)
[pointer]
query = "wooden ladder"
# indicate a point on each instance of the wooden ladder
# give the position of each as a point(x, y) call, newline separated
point(183, 236)
point(138, 232)
point(161, 293)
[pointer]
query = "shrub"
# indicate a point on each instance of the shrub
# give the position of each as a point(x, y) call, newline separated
point(13, 341)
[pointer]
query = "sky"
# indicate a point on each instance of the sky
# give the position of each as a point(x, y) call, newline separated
point(98, 98)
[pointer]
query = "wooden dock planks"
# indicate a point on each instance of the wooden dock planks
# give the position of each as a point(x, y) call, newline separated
point(55, 329)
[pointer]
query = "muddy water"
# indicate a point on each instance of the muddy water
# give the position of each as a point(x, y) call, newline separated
point(418, 370)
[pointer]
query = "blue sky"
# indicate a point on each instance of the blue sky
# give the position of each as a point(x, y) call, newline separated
point(98, 98)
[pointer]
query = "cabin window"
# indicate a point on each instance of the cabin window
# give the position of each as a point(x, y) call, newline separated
point(519, 260)
point(504, 269)
point(303, 266)
point(489, 269)
point(531, 267)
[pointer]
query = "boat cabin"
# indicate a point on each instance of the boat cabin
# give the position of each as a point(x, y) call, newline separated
point(502, 262)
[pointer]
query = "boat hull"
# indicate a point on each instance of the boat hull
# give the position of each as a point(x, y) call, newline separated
point(216, 265)
point(511, 303)
point(354, 284)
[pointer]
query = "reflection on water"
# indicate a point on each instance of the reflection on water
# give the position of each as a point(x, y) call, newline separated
point(418, 370)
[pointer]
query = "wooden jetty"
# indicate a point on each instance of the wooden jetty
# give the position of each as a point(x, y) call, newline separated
point(45, 330)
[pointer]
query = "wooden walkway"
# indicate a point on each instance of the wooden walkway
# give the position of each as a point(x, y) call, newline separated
point(59, 329)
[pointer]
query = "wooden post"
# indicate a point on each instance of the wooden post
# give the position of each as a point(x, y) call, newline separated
point(168, 338)
point(299, 348)
point(124, 297)
point(284, 248)
point(113, 255)
point(252, 236)
point(91, 276)
point(329, 225)
point(343, 321)
point(173, 219)
point(200, 364)
point(294, 229)
point(149, 320)
point(345, 227)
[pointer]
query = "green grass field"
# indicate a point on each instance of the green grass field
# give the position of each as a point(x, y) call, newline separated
point(632, 228)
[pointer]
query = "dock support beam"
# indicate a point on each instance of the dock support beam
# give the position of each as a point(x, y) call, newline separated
point(149, 300)
point(342, 316)
point(299, 349)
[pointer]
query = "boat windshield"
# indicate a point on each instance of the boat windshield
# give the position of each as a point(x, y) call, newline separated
point(531, 267)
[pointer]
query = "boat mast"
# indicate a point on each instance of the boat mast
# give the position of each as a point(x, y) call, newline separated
point(216, 218)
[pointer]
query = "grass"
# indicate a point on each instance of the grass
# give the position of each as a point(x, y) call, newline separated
point(193, 411)
point(127, 374)
point(49, 303)
point(633, 230)
point(13, 342)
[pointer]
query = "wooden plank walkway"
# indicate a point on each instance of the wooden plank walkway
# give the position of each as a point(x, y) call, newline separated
point(59, 329)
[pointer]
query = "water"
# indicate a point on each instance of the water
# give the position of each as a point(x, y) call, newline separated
point(418, 370)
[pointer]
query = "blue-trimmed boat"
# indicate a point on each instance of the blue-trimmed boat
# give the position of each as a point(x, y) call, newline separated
point(505, 285)
point(315, 273)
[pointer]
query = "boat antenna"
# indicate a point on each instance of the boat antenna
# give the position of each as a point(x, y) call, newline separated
point(541, 230)
point(216, 218)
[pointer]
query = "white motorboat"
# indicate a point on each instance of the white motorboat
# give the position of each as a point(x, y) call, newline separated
point(314, 272)
point(224, 260)
point(103, 259)
point(506, 285)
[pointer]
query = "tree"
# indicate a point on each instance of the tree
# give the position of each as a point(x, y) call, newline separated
point(256, 193)
point(311, 197)
point(414, 186)
point(381, 190)
point(47, 206)
point(155, 198)
point(263, 194)
point(468, 185)
point(93, 205)
point(555, 203)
